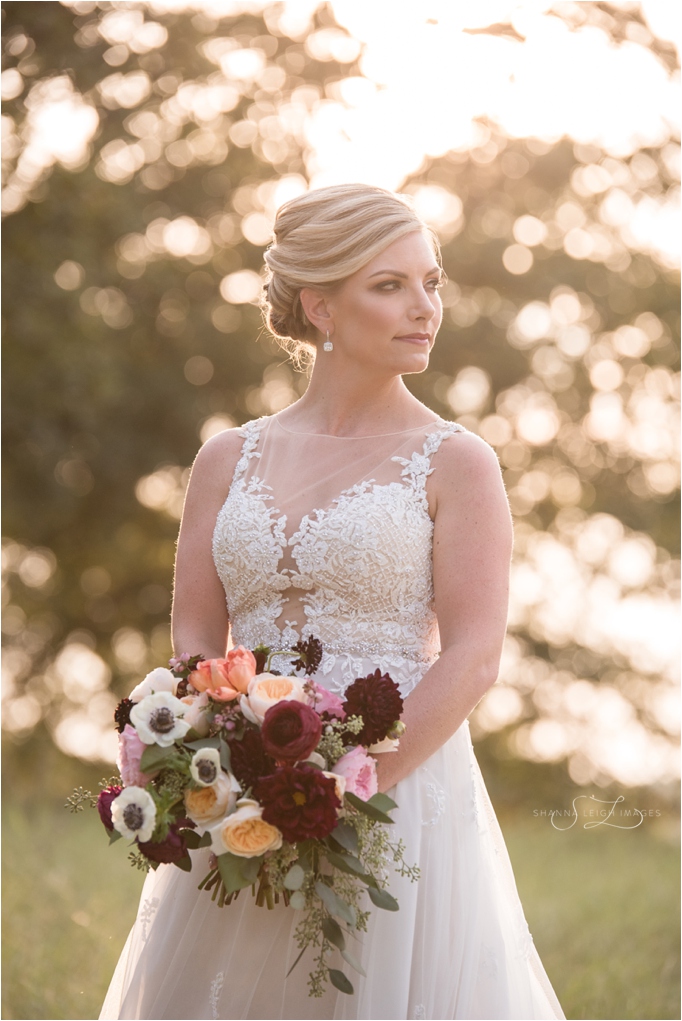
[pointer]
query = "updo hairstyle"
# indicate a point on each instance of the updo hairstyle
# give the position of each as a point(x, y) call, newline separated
point(320, 239)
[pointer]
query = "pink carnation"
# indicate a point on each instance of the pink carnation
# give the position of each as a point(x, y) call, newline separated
point(360, 772)
point(130, 749)
point(327, 702)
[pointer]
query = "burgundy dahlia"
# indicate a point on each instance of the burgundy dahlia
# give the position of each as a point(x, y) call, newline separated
point(300, 801)
point(377, 699)
point(248, 759)
point(291, 731)
point(104, 800)
point(173, 848)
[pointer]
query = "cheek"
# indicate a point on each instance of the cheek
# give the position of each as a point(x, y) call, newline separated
point(375, 312)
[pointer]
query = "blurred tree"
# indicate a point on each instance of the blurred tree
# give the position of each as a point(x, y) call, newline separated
point(146, 149)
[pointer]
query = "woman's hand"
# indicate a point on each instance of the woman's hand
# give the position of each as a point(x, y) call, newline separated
point(472, 547)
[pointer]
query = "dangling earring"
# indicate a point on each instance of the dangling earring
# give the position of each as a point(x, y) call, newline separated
point(328, 346)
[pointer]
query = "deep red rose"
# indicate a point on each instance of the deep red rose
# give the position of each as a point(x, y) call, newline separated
point(291, 731)
point(104, 800)
point(248, 759)
point(377, 699)
point(173, 848)
point(300, 801)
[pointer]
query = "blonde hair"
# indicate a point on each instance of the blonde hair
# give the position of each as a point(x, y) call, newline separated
point(320, 239)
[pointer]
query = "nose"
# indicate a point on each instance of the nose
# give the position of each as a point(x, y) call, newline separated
point(422, 306)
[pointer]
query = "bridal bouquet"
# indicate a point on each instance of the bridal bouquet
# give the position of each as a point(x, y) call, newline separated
point(275, 774)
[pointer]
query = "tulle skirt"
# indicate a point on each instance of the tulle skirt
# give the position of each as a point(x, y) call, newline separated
point(459, 947)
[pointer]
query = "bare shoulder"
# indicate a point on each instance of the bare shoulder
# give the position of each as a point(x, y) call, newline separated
point(216, 460)
point(462, 460)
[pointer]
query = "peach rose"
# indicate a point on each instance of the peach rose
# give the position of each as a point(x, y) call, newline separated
point(266, 690)
point(245, 833)
point(207, 805)
point(225, 679)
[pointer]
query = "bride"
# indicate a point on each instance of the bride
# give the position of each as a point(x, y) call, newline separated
point(358, 516)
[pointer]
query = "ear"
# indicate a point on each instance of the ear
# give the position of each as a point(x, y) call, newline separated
point(316, 307)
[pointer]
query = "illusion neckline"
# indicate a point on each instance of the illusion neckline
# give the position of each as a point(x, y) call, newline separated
point(370, 436)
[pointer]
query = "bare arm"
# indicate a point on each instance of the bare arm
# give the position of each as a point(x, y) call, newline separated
point(471, 555)
point(200, 620)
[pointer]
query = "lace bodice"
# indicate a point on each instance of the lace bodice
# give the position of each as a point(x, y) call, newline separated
point(360, 575)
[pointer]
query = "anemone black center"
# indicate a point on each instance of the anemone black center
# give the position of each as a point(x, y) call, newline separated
point(162, 720)
point(133, 817)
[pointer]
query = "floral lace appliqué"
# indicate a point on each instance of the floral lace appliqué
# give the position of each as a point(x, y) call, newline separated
point(147, 912)
point(436, 798)
point(363, 569)
point(214, 994)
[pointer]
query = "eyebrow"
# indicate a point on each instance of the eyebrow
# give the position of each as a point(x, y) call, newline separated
point(403, 276)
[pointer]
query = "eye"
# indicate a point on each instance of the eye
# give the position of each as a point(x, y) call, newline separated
point(435, 284)
point(388, 286)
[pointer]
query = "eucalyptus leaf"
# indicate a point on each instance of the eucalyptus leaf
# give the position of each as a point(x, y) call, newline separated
point(346, 836)
point(297, 900)
point(225, 759)
point(333, 932)
point(382, 802)
point(294, 878)
point(366, 808)
point(154, 757)
point(353, 961)
point(184, 863)
point(335, 904)
point(204, 742)
point(114, 835)
point(231, 872)
point(383, 899)
point(341, 982)
point(345, 862)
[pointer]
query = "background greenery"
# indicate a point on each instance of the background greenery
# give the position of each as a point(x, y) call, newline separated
point(130, 334)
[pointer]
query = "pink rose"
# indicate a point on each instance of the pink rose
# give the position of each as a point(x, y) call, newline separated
point(327, 702)
point(130, 749)
point(360, 772)
point(225, 679)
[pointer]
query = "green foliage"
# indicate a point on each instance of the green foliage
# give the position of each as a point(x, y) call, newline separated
point(121, 350)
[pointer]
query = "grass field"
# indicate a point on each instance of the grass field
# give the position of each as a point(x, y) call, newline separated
point(603, 907)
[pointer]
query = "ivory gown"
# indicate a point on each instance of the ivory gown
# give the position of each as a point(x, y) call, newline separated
point(356, 572)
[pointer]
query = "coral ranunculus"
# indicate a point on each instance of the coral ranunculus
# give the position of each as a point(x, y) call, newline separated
point(300, 801)
point(377, 699)
point(291, 731)
point(225, 679)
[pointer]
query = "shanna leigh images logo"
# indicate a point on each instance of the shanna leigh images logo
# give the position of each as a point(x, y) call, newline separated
point(593, 812)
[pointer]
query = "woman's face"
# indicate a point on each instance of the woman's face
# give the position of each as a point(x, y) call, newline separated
point(386, 315)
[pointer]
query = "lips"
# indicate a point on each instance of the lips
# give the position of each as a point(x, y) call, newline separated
point(415, 338)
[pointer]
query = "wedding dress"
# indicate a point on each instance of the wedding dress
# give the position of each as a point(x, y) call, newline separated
point(356, 573)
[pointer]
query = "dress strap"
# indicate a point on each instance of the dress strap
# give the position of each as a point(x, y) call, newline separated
point(417, 468)
point(251, 433)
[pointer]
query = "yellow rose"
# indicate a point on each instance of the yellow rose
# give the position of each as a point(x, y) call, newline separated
point(266, 690)
point(206, 805)
point(245, 833)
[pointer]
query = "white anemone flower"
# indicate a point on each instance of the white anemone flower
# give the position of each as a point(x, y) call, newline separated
point(158, 719)
point(205, 766)
point(157, 680)
point(133, 814)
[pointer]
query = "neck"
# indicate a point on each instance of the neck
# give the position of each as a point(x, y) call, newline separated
point(354, 402)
